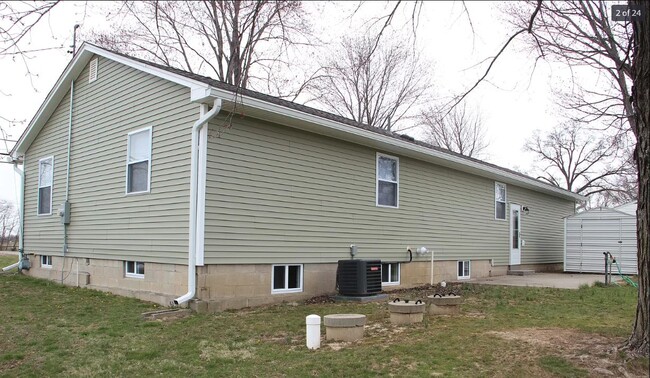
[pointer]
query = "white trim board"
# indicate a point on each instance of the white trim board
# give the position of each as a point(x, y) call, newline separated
point(299, 119)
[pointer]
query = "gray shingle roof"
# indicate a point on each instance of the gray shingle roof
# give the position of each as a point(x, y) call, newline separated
point(320, 113)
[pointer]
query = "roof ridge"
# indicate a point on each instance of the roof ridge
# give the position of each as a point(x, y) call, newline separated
point(318, 112)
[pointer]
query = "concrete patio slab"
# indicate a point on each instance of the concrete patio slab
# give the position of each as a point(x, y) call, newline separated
point(556, 280)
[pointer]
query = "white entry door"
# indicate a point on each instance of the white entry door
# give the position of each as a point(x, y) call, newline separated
point(515, 234)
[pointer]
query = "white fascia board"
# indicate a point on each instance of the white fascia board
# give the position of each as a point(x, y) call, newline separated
point(313, 123)
point(71, 72)
point(201, 92)
point(163, 74)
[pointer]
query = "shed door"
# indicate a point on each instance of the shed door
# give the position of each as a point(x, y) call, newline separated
point(515, 234)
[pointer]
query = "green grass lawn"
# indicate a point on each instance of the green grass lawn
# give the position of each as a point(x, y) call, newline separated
point(51, 330)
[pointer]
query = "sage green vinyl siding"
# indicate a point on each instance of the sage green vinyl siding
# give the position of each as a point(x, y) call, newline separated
point(105, 222)
point(43, 234)
point(280, 195)
point(543, 227)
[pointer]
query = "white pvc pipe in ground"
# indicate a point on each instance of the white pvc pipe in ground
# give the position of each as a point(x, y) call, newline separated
point(313, 331)
point(432, 267)
point(10, 267)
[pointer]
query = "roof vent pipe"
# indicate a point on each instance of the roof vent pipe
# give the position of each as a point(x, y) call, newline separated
point(194, 186)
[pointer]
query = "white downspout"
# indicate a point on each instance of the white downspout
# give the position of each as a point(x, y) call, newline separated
point(67, 169)
point(20, 216)
point(21, 209)
point(67, 179)
point(194, 184)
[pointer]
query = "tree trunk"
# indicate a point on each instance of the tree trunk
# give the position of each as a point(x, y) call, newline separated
point(638, 341)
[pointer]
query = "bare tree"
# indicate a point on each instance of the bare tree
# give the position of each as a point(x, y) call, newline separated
point(8, 223)
point(460, 130)
point(238, 42)
point(582, 36)
point(585, 48)
point(626, 184)
point(639, 341)
point(377, 85)
point(17, 19)
point(573, 158)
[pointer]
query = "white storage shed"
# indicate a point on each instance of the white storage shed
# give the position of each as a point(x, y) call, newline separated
point(590, 233)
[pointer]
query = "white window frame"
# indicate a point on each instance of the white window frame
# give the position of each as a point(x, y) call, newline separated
point(46, 261)
point(285, 290)
point(469, 269)
point(128, 153)
point(38, 190)
point(390, 268)
point(377, 179)
point(505, 201)
point(134, 274)
point(93, 64)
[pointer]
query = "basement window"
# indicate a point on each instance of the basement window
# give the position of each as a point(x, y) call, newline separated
point(92, 70)
point(287, 278)
point(138, 161)
point(463, 270)
point(134, 269)
point(390, 274)
point(46, 262)
point(45, 179)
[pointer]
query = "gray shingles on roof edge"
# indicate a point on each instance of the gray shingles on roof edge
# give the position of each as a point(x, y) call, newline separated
point(469, 161)
point(320, 113)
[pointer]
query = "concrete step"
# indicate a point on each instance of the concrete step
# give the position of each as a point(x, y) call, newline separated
point(521, 272)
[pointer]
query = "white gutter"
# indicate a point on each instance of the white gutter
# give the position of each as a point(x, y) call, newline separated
point(194, 186)
point(317, 124)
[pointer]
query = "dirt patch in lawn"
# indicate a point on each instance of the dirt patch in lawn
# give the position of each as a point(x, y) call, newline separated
point(599, 355)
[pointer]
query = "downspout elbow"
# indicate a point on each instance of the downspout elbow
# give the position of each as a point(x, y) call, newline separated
point(216, 108)
point(191, 265)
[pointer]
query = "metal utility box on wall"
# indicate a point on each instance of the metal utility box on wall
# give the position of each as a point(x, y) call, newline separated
point(359, 277)
point(590, 233)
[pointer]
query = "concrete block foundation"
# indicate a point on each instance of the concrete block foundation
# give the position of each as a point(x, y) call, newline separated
point(223, 287)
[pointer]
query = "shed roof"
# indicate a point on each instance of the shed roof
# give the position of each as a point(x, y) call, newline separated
point(600, 213)
point(629, 208)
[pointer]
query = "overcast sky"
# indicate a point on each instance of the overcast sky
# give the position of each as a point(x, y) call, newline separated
point(513, 102)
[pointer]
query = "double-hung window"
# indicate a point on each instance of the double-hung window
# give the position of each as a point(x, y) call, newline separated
point(387, 181)
point(499, 201)
point(45, 178)
point(138, 161)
